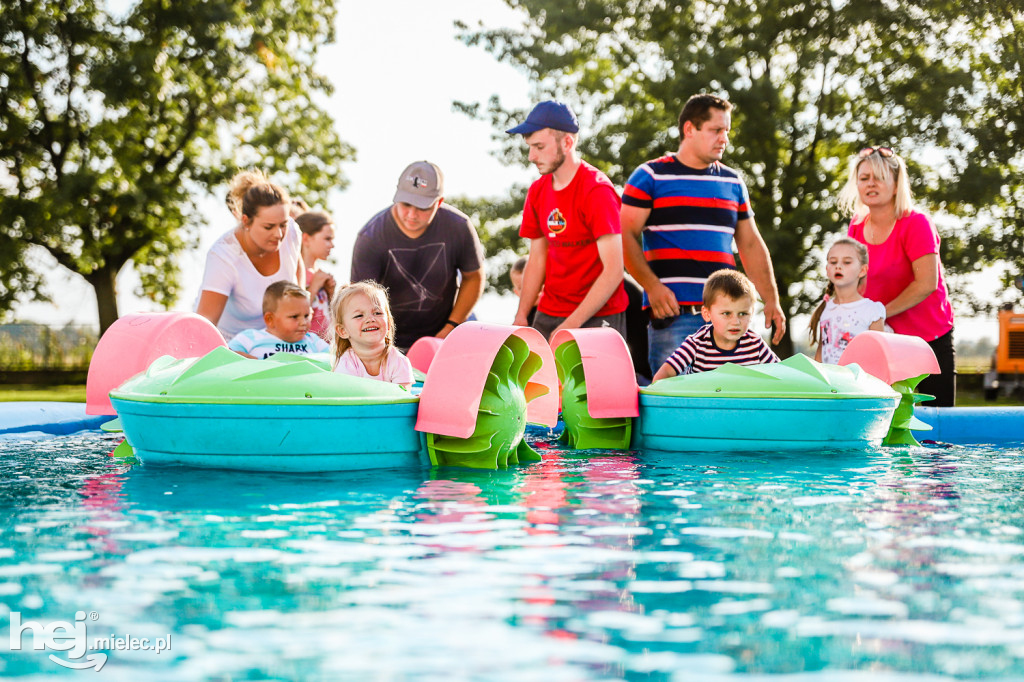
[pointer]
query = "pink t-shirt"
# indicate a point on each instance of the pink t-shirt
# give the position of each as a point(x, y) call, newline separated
point(890, 271)
point(397, 369)
point(321, 322)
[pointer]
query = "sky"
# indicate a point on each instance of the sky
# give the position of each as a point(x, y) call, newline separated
point(396, 67)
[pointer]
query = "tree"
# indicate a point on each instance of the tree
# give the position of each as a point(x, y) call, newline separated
point(812, 82)
point(110, 124)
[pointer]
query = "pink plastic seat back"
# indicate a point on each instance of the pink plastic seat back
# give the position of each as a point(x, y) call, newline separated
point(422, 352)
point(134, 341)
point(455, 382)
point(890, 357)
point(612, 390)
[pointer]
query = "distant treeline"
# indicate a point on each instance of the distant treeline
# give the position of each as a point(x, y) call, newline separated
point(26, 346)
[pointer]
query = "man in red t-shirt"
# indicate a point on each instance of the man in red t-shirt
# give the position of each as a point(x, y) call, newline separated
point(571, 218)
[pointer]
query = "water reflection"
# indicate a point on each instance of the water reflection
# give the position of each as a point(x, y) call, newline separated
point(598, 565)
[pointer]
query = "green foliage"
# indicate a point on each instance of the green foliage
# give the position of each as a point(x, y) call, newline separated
point(111, 123)
point(36, 346)
point(812, 82)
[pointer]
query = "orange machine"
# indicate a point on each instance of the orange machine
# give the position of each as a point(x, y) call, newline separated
point(1010, 354)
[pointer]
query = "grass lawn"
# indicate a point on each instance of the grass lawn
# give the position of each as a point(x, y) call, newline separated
point(23, 392)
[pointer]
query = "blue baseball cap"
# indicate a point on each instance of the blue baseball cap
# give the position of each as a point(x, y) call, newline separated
point(548, 114)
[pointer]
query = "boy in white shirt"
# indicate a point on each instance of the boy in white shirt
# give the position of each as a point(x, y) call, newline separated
point(287, 313)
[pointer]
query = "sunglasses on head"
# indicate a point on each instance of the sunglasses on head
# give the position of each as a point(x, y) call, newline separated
point(886, 152)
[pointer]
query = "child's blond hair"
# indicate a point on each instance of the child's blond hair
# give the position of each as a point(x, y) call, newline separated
point(281, 290)
point(375, 293)
point(731, 283)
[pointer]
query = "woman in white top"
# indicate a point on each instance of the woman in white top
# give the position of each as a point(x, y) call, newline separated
point(265, 247)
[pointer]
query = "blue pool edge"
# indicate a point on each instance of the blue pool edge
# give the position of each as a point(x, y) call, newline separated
point(56, 418)
point(955, 425)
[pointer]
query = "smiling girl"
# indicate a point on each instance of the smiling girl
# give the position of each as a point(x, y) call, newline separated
point(364, 335)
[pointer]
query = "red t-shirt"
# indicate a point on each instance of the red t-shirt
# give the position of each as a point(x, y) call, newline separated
point(572, 219)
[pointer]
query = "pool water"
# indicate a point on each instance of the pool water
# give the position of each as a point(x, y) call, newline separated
point(883, 565)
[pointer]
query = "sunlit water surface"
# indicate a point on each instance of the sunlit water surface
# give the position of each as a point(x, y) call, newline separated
point(886, 565)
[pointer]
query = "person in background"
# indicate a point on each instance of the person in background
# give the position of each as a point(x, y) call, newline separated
point(364, 335)
point(571, 218)
point(297, 208)
point(728, 303)
point(904, 271)
point(286, 313)
point(515, 274)
point(418, 248)
point(680, 216)
point(317, 243)
point(844, 313)
point(263, 248)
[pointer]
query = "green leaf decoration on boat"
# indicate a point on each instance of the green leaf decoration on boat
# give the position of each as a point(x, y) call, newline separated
point(582, 431)
point(903, 420)
point(497, 440)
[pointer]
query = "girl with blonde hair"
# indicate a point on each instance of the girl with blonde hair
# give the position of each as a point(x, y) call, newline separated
point(364, 335)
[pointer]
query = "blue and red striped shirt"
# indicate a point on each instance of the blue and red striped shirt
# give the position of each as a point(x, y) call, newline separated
point(693, 218)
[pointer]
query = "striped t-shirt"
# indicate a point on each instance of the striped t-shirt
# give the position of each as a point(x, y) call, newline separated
point(689, 232)
point(698, 352)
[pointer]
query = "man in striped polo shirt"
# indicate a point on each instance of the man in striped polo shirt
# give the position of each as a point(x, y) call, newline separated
point(680, 214)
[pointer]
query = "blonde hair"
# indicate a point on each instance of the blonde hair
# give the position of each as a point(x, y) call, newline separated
point(730, 283)
point(375, 293)
point(830, 289)
point(278, 291)
point(885, 169)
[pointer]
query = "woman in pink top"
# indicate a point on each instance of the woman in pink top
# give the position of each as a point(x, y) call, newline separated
point(904, 271)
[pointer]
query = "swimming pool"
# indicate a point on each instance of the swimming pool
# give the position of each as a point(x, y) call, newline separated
point(883, 565)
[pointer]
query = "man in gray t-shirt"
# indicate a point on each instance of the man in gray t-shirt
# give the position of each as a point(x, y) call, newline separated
point(415, 248)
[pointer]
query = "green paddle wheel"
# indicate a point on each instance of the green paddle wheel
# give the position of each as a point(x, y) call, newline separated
point(582, 431)
point(903, 420)
point(497, 440)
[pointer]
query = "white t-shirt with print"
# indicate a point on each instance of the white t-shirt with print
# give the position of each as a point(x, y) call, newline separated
point(261, 344)
point(840, 322)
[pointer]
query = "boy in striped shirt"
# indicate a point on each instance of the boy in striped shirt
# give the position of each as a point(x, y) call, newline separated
point(728, 305)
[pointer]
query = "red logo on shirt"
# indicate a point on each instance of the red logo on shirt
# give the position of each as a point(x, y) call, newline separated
point(556, 221)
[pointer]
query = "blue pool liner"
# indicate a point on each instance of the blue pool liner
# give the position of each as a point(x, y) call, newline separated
point(972, 425)
point(47, 417)
point(957, 425)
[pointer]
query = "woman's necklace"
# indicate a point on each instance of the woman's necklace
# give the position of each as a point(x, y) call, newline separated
point(875, 233)
point(253, 250)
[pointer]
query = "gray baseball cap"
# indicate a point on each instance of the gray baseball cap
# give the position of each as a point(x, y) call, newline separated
point(420, 184)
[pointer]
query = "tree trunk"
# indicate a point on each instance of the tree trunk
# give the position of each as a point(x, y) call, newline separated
point(104, 283)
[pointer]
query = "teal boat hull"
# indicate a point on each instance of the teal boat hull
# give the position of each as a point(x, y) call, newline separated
point(684, 424)
point(287, 438)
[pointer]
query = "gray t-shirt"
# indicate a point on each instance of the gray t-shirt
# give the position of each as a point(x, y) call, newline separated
point(419, 274)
